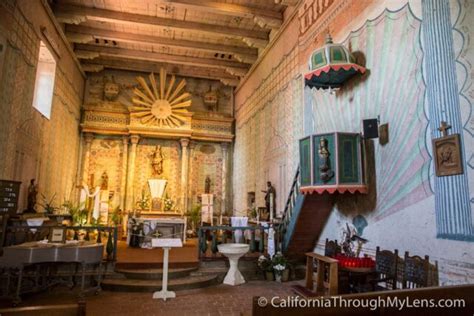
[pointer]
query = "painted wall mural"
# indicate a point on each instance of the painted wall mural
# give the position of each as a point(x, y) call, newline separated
point(206, 160)
point(394, 91)
point(399, 213)
point(266, 146)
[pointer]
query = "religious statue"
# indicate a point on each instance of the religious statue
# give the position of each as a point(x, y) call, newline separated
point(32, 193)
point(207, 186)
point(270, 198)
point(325, 171)
point(157, 161)
point(105, 181)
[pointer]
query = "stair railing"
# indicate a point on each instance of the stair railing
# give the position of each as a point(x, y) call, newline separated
point(289, 207)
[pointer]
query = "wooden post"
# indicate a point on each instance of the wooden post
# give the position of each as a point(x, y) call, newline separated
point(309, 273)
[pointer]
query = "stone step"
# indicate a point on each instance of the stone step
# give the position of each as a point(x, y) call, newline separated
point(155, 274)
point(135, 285)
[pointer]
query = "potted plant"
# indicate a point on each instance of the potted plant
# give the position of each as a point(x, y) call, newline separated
point(194, 216)
point(281, 267)
point(47, 205)
point(265, 265)
point(79, 217)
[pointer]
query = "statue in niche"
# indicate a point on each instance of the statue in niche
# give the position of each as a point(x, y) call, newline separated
point(157, 161)
point(32, 194)
point(105, 181)
point(111, 89)
point(270, 199)
point(325, 171)
point(207, 186)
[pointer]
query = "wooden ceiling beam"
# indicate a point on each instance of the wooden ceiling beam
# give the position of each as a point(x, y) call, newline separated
point(65, 12)
point(83, 49)
point(77, 34)
point(146, 66)
point(274, 18)
point(287, 2)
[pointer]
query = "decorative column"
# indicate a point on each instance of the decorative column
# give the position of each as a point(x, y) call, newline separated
point(123, 180)
point(131, 172)
point(184, 174)
point(123, 183)
point(224, 147)
point(192, 147)
point(88, 138)
point(453, 210)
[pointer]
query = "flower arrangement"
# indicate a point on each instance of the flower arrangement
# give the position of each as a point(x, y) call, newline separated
point(280, 264)
point(168, 204)
point(144, 202)
point(265, 263)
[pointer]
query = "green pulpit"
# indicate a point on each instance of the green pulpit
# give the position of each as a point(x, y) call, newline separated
point(332, 162)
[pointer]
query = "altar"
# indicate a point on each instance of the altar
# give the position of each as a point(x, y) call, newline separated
point(144, 229)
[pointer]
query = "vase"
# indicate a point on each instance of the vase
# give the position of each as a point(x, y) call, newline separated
point(278, 277)
point(269, 275)
point(285, 276)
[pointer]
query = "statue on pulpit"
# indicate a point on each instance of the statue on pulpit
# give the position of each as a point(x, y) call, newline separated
point(270, 198)
point(157, 161)
point(325, 171)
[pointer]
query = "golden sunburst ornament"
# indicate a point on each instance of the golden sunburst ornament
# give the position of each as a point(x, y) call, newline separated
point(162, 105)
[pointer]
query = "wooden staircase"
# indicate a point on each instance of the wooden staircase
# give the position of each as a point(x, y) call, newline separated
point(303, 220)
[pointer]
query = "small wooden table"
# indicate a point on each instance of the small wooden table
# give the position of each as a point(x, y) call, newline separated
point(356, 278)
point(323, 262)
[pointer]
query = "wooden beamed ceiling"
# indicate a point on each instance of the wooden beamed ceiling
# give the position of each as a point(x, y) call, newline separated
point(217, 40)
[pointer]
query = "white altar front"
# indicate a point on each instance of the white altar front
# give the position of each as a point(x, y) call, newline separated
point(159, 227)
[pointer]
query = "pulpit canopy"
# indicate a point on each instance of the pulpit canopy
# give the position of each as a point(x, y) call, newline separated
point(330, 66)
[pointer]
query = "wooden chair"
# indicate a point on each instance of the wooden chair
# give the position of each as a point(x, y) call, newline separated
point(331, 249)
point(386, 267)
point(416, 271)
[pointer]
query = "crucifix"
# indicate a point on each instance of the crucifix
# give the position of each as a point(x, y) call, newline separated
point(444, 128)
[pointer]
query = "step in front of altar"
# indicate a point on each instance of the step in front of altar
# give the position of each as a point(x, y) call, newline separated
point(156, 273)
point(152, 285)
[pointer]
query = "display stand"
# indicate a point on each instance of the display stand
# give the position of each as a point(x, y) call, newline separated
point(166, 244)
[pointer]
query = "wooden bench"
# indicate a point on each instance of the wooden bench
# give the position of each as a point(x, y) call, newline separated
point(78, 309)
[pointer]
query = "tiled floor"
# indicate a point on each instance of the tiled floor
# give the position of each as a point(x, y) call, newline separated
point(217, 300)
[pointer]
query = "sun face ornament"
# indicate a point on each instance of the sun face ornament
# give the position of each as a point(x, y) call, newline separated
point(162, 105)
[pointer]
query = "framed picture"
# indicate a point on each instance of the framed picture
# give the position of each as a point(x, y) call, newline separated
point(447, 155)
point(57, 235)
point(263, 214)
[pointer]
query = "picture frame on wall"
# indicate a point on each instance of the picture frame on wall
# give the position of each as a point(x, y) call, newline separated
point(57, 235)
point(263, 214)
point(447, 155)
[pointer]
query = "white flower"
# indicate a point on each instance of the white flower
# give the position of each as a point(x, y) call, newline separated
point(279, 267)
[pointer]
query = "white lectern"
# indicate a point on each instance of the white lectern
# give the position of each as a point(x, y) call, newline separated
point(166, 244)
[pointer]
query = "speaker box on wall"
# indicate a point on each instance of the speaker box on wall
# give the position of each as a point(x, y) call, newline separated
point(371, 128)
